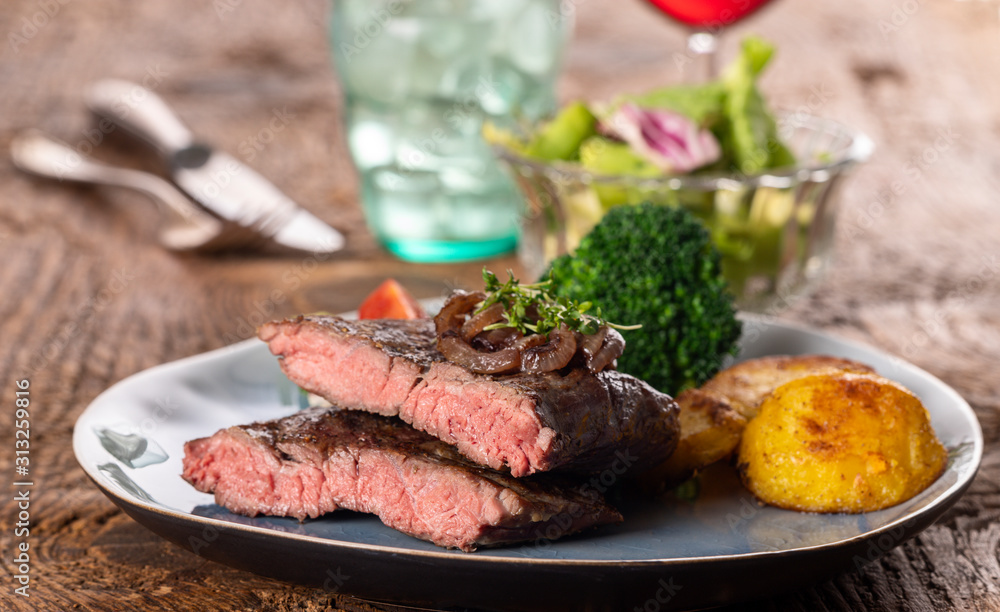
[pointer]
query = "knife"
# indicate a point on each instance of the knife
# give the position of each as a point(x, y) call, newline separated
point(218, 181)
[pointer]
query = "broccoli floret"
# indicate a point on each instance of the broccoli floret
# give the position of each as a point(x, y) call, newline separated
point(656, 266)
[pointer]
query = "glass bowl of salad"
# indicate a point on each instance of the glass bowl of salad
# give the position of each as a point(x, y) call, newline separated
point(763, 185)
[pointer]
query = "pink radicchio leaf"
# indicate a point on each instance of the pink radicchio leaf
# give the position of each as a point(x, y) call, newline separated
point(669, 140)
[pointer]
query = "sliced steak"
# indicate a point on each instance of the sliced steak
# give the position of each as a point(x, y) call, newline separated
point(322, 459)
point(568, 420)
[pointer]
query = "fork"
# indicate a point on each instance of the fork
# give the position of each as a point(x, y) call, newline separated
point(187, 227)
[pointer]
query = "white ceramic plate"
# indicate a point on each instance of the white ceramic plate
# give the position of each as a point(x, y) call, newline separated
point(721, 548)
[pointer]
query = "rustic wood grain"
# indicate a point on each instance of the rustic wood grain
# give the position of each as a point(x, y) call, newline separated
point(88, 297)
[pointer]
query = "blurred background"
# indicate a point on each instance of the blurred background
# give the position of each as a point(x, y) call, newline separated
point(230, 67)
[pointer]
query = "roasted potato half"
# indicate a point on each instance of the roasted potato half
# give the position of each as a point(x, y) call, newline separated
point(710, 431)
point(840, 442)
point(748, 383)
point(712, 417)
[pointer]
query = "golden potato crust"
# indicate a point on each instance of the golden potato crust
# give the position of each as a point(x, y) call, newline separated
point(710, 431)
point(841, 442)
point(748, 383)
point(712, 417)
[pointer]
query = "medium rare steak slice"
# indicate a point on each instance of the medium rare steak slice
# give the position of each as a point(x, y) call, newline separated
point(568, 420)
point(322, 459)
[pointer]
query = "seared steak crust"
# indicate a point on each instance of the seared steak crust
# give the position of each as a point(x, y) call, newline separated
point(322, 459)
point(412, 339)
point(568, 420)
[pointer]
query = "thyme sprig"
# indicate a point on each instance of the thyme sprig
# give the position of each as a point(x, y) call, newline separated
point(532, 309)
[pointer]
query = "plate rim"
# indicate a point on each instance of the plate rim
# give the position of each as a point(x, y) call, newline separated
point(933, 508)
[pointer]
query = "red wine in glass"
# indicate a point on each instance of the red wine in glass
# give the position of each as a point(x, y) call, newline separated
point(708, 14)
point(706, 18)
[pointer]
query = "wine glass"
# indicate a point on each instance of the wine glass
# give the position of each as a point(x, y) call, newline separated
point(705, 20)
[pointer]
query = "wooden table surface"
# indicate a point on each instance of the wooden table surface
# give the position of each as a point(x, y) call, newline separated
point(89, 298)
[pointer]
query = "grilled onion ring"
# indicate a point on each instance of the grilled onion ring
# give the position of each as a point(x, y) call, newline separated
point(496, 339)
point(459, 351)
point(589, 344)
point(452, 314)
point(611, 349)
point(553, 355)
point(527, 342)
point(475, 324)
point(462, 340)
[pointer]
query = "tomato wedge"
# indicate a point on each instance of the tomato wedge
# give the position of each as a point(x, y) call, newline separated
point(390, 300)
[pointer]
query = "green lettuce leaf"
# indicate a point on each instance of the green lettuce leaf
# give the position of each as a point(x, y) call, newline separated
point(561, 137)
point(702, 104)
point(607, 157)
point(750, 134)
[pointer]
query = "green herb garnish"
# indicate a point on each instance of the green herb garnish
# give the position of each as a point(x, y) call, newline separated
point(533, 309)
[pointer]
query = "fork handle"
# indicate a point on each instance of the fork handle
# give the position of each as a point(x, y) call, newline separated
point(39, 155)
point(141, 112)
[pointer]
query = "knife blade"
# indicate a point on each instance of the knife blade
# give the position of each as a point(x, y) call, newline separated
point(219, 182)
